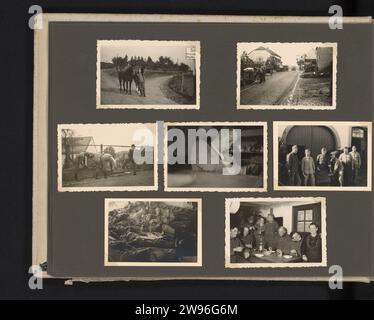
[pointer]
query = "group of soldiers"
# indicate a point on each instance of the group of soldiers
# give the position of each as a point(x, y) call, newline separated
point(340, 170)
point(265, 235)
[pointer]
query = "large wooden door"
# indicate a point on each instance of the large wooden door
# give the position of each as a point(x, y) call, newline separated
point(312, 137)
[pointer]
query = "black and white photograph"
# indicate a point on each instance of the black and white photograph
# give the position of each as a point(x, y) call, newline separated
point(107, 157)
point(275, 232)
point(215, 156)
point(153, 232)
point(281, 75)
point(145, 74)
point(322, 155)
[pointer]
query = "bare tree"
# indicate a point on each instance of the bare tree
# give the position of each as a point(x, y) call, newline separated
point(66, 137)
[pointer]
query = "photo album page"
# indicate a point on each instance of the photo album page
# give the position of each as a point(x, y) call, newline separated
point(202, 147)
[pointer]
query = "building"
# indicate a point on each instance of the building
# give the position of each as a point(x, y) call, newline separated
point(316, 60)
point(333, 137)
point(265, 56)
point(72, 146)
point(324, 58)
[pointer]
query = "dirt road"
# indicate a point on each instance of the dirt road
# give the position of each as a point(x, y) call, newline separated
point(156, 90)
point(275, 91)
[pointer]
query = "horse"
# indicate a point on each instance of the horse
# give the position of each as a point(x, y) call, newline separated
point(103, 162)
point(125, 78)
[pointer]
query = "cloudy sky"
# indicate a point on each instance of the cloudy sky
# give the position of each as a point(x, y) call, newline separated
point(114, 134)
point(153, 49)
point(287, 51)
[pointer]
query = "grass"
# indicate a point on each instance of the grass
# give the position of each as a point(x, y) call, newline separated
point(188, 86)
point(313, 92)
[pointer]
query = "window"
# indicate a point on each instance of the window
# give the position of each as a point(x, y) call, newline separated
point(358, 133)
point(304, 215)
point(304, 219)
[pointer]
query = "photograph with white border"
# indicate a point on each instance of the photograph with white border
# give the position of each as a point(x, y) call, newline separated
point(286, 75)
point(107, 157)
point(153, 232)
point(275, 232)
point(322, 156)
point(148, 74)
point(215, 156)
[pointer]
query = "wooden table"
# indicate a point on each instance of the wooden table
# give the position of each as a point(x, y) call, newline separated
point(272, 258)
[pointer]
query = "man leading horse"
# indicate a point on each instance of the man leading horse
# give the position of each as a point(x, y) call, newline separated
point(128, 74)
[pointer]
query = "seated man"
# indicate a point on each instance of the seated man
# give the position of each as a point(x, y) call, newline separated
point(295, 245)
point(312, 246)
point(282, 242)
point(244, 258)
point(250, 222)
point(236, 246)
point(248, 238)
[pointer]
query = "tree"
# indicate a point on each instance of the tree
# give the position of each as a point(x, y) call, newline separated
point(66, 135)
point(116, 62)
point(150, 64)
point(168, 61)
point(184, 67)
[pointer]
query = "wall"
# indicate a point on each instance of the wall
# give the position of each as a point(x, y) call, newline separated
point(259, 55)
point(280, 210)
point(343, 133)
point(283, 210)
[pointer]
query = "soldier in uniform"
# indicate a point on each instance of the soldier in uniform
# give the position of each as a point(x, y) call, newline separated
point(270, 231)
point(282, 242)
point(247, 238)
point(293, 167)
point(346, 160)
point(322, 166)
point(236, 246)
point(356, 164)
point(130, 160)
point(336, 170)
